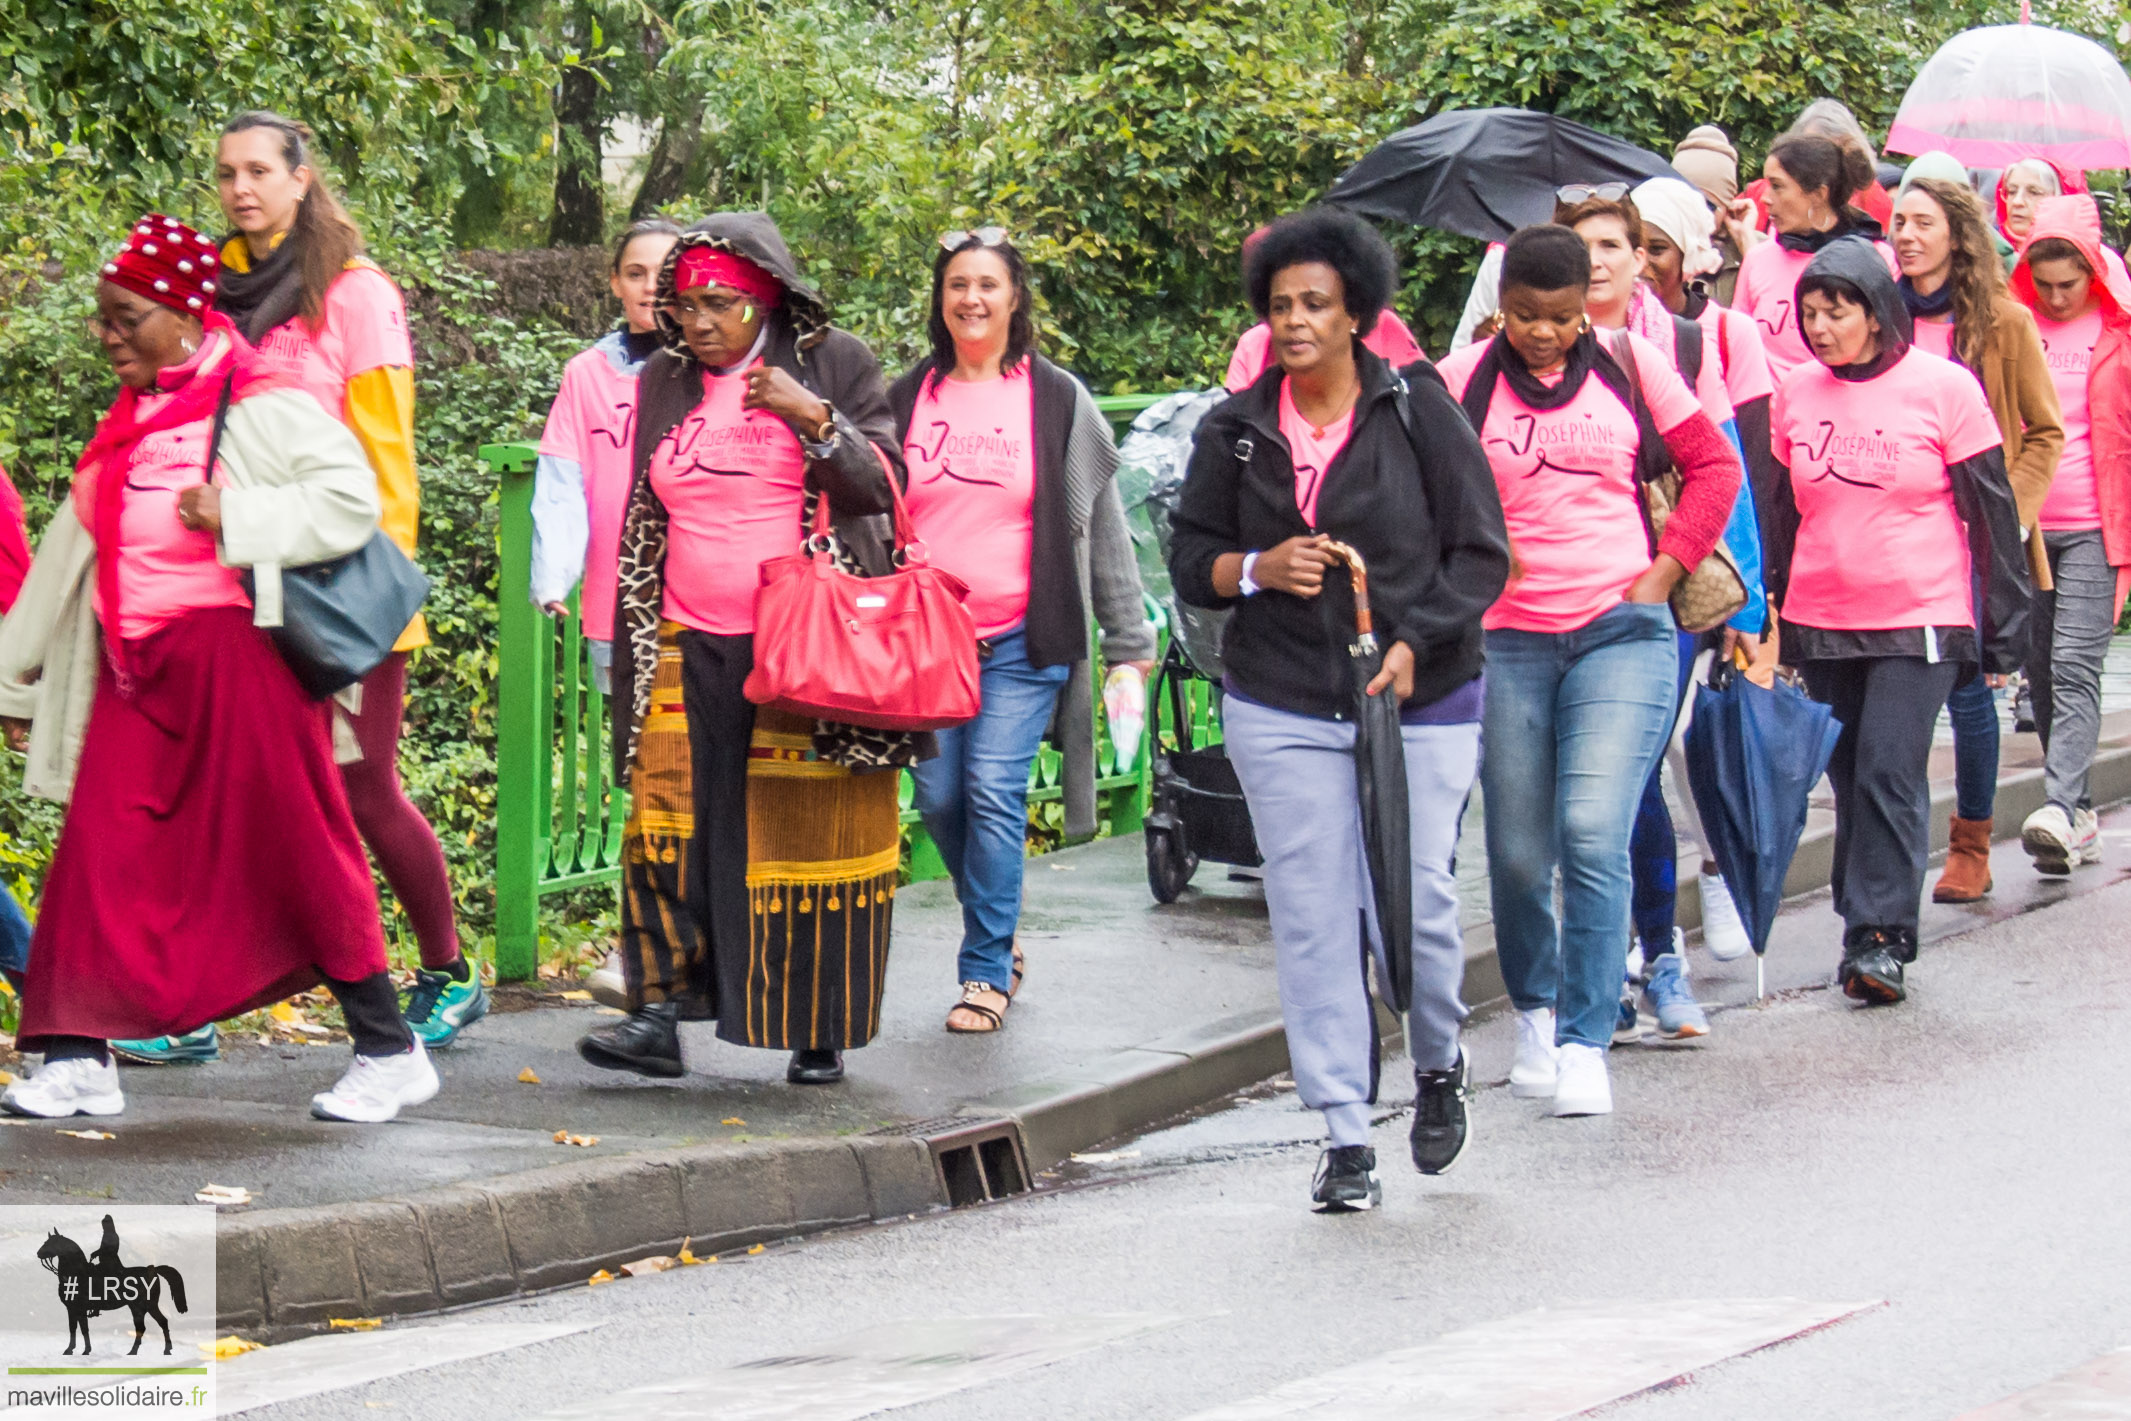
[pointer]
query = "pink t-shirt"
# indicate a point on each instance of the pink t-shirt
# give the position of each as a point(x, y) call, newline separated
point(972, 457)
point(164, 568)
point(365, 328)
point(1767, 290)
point(1567, 480)
point(1880, 544)
point(2072, 504)
point(734, 485)
point(1312, 450)
point(593, 424)
point(1936, 338)
point(1733, 338)
point(1389, 338)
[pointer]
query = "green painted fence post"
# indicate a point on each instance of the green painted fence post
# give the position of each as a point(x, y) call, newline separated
point(522, 733)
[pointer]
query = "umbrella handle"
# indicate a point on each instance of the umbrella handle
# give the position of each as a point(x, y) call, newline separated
point(1364, 622)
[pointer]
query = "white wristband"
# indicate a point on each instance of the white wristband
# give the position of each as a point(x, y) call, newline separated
point(1246, 585)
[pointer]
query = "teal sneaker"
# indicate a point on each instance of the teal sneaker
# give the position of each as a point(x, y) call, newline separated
point(192, 1049)
point(440, 1007)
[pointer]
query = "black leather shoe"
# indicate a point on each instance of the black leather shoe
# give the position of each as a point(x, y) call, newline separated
point(1870, 972)
point(1440, 1123)
point(815, 1068)
point(647, 1042)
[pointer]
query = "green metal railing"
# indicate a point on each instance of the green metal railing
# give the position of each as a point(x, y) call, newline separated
point(559, 816)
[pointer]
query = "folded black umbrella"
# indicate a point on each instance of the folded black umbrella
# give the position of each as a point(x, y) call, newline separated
point(1380, 784)
point(1486, 172)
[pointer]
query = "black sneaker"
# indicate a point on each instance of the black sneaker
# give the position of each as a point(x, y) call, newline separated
point(1346, 1180)
point(1870, 972)
point(646, 1042)
point(1440, 1125)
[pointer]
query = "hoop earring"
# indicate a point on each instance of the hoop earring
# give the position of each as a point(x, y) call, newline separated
point(190, 345)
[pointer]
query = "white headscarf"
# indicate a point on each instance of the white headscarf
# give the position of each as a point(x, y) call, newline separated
point(1677, 209)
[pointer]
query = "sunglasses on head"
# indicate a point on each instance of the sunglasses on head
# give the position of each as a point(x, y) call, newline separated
point(1573, 193)
point(982, 236)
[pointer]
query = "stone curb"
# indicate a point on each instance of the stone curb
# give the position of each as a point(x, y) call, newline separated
point(283, 1271)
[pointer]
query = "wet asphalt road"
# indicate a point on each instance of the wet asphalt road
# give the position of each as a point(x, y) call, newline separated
point(1963, 1158)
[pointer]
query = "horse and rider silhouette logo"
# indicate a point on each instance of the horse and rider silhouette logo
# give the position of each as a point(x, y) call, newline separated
point(101, 1282)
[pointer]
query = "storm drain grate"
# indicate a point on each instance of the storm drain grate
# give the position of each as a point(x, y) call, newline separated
point(977, 1160)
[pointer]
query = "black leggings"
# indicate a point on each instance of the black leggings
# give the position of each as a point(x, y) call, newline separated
point(370, 1005)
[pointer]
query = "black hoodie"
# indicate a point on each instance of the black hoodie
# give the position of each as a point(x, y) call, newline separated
point(1981, 493)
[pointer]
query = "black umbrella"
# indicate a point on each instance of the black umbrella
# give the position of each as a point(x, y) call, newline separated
point(1486, 172)
point(1380, 783)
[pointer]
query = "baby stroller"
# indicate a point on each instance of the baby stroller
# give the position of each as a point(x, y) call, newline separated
point(1196, 809)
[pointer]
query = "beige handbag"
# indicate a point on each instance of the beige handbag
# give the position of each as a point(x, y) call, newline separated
point(1714, 589)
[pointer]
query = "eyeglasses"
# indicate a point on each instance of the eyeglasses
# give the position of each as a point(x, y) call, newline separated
point(982, 236)
point(704, 310)
point(125, 327)
point(1573, 193)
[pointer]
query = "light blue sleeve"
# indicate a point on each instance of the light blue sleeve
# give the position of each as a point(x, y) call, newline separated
point(1742, 539)
point(561, 528)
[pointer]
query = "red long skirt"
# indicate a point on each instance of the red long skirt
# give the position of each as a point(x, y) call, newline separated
point(209, 864)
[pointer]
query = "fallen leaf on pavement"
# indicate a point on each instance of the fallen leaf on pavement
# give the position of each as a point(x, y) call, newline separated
point(223, 1348)
point(577, 996)
point(224, 1194)
point(283, 1012)
point(355, 1324)
point(686, 1257)
point(732, 1120)
point(643, 1266)
point(564, 1137)
point(758, 1248)
point(7, 1078)
point(602, 1276)
point(528, 1077)
point(89, 1134)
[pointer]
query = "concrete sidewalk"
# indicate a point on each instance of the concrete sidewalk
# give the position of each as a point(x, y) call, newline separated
point(1132, 1013)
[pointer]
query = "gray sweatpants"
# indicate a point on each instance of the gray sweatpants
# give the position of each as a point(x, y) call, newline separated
point(1298, 775)
point(2071, 632)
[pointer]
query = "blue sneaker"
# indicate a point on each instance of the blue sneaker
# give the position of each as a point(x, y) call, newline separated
point(192, 1049)
point(1679, 1016)
point(439, 1006)
point(1627, 1027)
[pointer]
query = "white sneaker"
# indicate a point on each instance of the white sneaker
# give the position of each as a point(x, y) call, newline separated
point(1723, 933)
point(2051, 842)
point(2086, 836)
point(1531, 1075)
point(63, 1088)
point(376, 1088)
point(1583, 1088)
point(606, 984)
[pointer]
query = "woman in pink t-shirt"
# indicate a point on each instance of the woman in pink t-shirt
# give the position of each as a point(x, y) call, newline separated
point(1893, 505)
point(1011, 490)
point(1581, 653)
point(2085, 522)
point(1811, 184)
point(1954, 286)
point(208, 864)
point(762, 848)
point(582, 478)
point(296, 282)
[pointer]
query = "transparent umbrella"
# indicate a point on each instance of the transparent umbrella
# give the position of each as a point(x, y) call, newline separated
point(1993, 96)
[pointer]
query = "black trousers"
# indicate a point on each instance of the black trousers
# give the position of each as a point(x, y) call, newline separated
point(1888, 706)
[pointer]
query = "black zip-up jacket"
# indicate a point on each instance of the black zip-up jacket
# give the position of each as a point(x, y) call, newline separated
point(1422, 511)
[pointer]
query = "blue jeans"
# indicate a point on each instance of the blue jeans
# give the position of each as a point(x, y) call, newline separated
point(1973, 709)
point(1575, 723)
point(1654, 848)
point(14, 938)
point(974, 799)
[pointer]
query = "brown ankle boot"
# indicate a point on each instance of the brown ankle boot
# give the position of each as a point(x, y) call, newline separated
point(1967, 875)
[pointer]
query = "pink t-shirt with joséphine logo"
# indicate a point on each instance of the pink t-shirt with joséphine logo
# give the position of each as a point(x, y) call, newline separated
point(971, 451)
point(2073, 504)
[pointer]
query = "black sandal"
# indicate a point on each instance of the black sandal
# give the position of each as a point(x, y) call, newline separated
point(1021, 965)
point(995, 1018)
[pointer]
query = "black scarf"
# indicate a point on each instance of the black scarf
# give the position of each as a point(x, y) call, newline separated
point(1938, 303)
point(263, 296)
point(1586, 358)
point(1847, 224)
point(638, 345)
point(1871, 369)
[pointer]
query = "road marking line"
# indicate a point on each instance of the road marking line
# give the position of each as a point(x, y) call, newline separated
point(320, 1364)
point(2098, 1391)
point(1543, 1365)
point(876, 1370)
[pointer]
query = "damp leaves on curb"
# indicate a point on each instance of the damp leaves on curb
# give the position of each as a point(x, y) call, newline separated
point(90, 1134)
point(355, 1324)
point(528, 1077)
point(224, 1348)
point(564, 1137)
point(224, 1195)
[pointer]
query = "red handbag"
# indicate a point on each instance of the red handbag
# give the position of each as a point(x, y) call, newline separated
point(894, 653)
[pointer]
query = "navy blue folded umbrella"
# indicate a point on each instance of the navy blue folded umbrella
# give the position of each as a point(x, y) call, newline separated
point(1753, 757)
